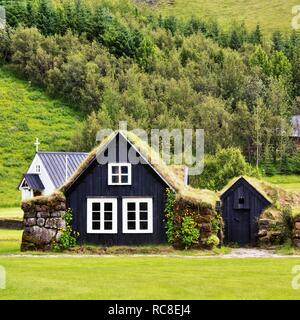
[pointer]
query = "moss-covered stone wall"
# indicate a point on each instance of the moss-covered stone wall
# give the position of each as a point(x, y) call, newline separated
point(206, 219)
point(43, 221)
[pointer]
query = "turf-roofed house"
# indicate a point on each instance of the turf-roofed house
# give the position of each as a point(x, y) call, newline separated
point(122, 202)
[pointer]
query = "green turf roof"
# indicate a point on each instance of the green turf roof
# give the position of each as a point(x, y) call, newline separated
point(172, 176)
point(260, 186)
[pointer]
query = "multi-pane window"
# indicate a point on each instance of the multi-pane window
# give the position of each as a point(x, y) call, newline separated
point(119, 173)
point(37, 168)
point(137, 215)
point(101, 215)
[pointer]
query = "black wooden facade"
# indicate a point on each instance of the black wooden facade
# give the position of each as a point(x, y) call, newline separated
point(242, 205)
point(93, 182)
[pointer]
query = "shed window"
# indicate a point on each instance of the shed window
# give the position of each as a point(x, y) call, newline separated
point(137, 215)
point(241, 200)
point(101, 215)
point(38, 168)
point(119, 174)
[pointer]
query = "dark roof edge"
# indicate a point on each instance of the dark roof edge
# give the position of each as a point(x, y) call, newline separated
point(248, 183)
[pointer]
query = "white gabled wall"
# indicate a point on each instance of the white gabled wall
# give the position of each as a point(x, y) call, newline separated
point(26, 193)
point(48, 184)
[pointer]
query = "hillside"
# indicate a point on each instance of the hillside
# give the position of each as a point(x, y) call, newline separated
point(271, 15)
point(27, 113)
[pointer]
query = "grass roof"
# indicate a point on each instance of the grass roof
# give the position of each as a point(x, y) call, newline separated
point(261, 186)
point(173, 175)
point(44, 199)
point(86, 162)
point(277, 196)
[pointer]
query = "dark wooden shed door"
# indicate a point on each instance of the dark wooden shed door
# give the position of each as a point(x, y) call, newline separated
point(240, 227)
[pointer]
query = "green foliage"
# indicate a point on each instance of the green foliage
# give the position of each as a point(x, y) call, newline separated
point(269, 167)
point(220, 168)
point(213, 241)
point(235, 42)
point(68, 237)
point(157, 70)
point(216, 223)
point(189, 232)
point(287, 224)
point(169, 214)
point(256, 37)
point(27, 113)
point(112, 60)
point(294, 163)
point(5, 46)
point(276, 65)
point(97, 22)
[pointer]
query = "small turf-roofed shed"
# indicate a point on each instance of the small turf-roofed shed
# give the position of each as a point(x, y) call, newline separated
point(243, 201)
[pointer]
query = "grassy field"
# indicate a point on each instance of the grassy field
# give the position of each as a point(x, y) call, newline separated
point(289, 183)
point(107, 277)
point(27, 113)
point(148, 278)
point(11, 213)
point(271, 15)
point(127, 277)
point(10, 241)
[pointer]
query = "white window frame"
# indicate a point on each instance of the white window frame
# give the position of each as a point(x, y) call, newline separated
point(137, 201)
point(24, 185)
point(120, 165)
point(102, 201)
point(37, 168)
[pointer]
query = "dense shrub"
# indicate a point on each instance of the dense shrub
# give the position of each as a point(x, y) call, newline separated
point(213, 241)
point(68, 236)
point(220, 168)
point(190, 224)
point(189, 232)
point(287, 224)
point(169, 214)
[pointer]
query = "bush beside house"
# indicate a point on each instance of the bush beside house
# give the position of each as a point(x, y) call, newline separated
point(192, 223)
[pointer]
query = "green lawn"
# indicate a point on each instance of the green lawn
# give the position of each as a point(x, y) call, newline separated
point(125, 277)
point(289, 183)
point(148, 278)
point(271, 15)
point(10, 241)
point(25, 114)
point(11, 213)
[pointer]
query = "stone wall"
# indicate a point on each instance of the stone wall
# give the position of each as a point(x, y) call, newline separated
point(269, 231)
point(43, 221)
point(296, 232)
